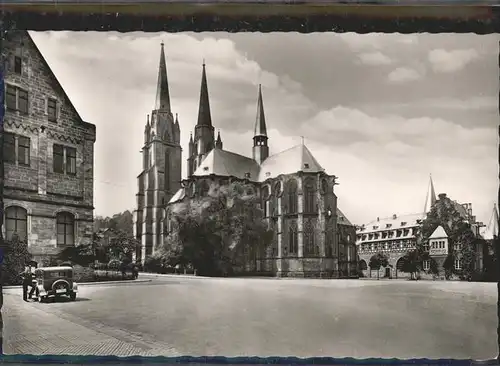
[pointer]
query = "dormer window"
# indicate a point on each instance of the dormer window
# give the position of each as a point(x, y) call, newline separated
point(388, 225)
point(247, 175)
point(375, 227)
point(403, 223)
point(205, 168)
point(306, 165)
point(268, 174)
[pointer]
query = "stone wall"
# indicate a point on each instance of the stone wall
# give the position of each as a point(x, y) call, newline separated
point(36, 187)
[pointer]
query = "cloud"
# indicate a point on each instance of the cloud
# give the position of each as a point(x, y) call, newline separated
point(383, 160)
point(374, 58)
point(403, 74)
point(451, 61)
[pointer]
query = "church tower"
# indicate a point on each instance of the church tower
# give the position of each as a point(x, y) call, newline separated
point(161, 172)
point(204, 136)
point(260, 150)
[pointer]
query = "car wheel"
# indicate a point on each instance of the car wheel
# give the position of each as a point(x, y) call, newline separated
point(72, 296)
point(42, 299)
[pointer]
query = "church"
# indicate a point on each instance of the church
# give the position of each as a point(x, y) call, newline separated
point(311, 236)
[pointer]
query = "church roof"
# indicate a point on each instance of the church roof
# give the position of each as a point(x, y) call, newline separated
point(342, 219)
point(491, 230)
point(228, 164)
point(431, 197)
point(439, 233)
point(293, 160)
point(162, 93)
point(179, 195)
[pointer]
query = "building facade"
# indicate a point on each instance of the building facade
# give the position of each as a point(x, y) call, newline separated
point(397, 235)
point(48, 155)
point(297, 196)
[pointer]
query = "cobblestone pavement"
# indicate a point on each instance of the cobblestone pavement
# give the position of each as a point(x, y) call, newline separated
point(30, 329)
point(260, 317)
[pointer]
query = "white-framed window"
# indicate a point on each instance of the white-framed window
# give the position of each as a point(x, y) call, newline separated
point(427, 265)
point(458, 264)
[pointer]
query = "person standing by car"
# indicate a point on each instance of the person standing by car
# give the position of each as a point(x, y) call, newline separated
point(28, 277)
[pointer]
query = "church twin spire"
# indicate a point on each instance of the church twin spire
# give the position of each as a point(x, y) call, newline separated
point(162, 102)
point(204, 115)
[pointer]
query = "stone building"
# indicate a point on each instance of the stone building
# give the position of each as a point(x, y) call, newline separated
point(48, 154)
point(297, 195)
point(395, 236)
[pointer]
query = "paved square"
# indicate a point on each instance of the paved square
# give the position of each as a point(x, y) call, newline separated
point(261, 317)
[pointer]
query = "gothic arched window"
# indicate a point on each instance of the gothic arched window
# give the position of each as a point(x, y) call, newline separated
point(310, 196)
point(65, 229)
point(293, 244)
point(324, 186)
point(292, 197)
point(166, 173)
point(265, 200)
point(204, 188)
point(309, 243)
point(16, 222)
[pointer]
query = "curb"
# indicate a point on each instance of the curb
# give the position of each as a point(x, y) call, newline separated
point(145, 274)
point(97, 283)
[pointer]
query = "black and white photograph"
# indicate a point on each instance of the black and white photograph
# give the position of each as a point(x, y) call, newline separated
point(250, 194)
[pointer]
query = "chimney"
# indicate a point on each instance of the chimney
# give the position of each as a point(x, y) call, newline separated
point(442, 196)
point(378, 218)
point(394, 217)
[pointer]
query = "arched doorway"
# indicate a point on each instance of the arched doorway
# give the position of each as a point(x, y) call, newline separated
point(399, 266)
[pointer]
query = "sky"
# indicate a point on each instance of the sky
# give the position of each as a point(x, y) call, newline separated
point(380, 111)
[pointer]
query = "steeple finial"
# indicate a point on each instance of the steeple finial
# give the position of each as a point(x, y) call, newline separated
point(176, 118)
point(260, 121)
point(204, 116)
point(218, 142)
point(430, 200)
point(162, 101)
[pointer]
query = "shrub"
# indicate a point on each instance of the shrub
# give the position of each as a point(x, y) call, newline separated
point(15, 257)
point(114, 264)
point(83, 274)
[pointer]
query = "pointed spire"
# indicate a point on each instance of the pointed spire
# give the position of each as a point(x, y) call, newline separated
point(204, 116)
point(190, 137)
point(147, 121)
point(430, 200)
point(176, 119)
point(260, 122)
point(162, 101)
point(491, 230)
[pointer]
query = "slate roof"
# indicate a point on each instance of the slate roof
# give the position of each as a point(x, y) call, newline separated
point(228, 164)
point(342, 219)
point(395, 223)
point(491, 230)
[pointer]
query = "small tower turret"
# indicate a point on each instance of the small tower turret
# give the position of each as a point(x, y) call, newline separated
point(218, 142)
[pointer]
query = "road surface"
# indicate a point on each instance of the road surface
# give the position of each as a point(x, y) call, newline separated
point(174, 316)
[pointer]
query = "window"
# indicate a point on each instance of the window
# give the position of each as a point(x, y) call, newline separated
point(11, 97)
point(166, 172)
point(22, 100)
point(292, 240)
point(309, 240)
point(21, 155)
point(426, 265)
point(458, 264)
point(52, 109)
point(204, 188)
point(18, 65)
point(65, 229)
point(64, 159)
point(16, 222)
point(23, 150)
point(292, 196)
point(9, 148)
point(310, 197)
point(265, 197)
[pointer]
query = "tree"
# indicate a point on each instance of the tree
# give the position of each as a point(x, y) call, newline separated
point(445, 213)
point(82, 255)
point(16, 255)
point(413, 263)
point(122, 246)
point(377, 261)
point(213, 233)
point(123, 222)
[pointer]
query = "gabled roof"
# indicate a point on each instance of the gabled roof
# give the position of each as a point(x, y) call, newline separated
point(342, 219)
point(293, 160)
point(439, 233)
point(51, 73)
point(228, 164)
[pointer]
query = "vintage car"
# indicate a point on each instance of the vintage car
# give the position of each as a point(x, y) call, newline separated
point(53, 282)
